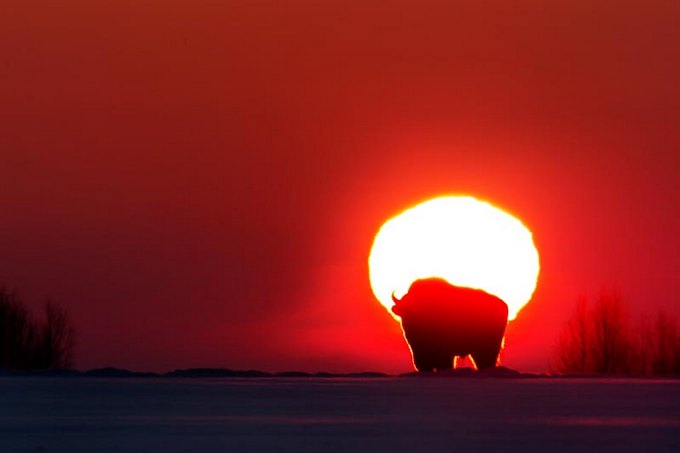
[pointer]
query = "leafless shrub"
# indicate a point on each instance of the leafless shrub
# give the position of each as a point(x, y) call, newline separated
point(611, 345)
point(643, 344)
point(600, 339)
point(56, 339)
point(16, 332)
point(26, 344)
point(574, 342)
point(664, 356)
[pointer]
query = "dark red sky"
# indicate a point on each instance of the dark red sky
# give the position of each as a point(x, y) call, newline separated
point(199, 182)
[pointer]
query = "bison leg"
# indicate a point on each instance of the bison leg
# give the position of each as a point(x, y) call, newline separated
point(486, 358)
point(422, 363)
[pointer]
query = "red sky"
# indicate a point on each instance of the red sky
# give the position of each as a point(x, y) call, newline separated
point(199, 182)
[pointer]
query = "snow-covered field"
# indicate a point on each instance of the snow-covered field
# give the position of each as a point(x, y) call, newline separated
point(327, 414)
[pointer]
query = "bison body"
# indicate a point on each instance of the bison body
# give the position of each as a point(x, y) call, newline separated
point(441, 321)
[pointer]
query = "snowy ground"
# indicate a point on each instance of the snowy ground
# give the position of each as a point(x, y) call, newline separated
point(332, 415)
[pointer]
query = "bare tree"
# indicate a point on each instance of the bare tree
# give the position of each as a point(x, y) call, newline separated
point(16, 332)
point(599, 339)
point(596, 339)
point(574, 342)
point(26, 344)
point(666, 345)
point(642, 346)
point(611, 341)
point(56, 339)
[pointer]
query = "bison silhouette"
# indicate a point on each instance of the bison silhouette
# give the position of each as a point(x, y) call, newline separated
point(441, 321)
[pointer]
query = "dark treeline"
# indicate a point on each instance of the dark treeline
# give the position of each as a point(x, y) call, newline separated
point(27, 343)
point(601, 338)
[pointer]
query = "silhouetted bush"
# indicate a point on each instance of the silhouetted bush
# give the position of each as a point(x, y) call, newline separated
point(658, 345)
point(26, 344)
point(573, 345)
point(16, 333)
point(600, 339)
point(611, 342)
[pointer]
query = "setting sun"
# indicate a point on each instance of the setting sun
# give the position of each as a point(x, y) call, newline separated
point(467, 242)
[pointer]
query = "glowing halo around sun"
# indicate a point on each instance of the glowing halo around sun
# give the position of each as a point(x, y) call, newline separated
point(463, 240)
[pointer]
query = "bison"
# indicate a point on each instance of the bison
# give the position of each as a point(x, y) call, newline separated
point(441, 321)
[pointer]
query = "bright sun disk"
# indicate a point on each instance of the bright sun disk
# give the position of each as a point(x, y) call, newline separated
point(463, 240)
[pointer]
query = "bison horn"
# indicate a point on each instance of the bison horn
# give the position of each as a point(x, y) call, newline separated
point(396, 308)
